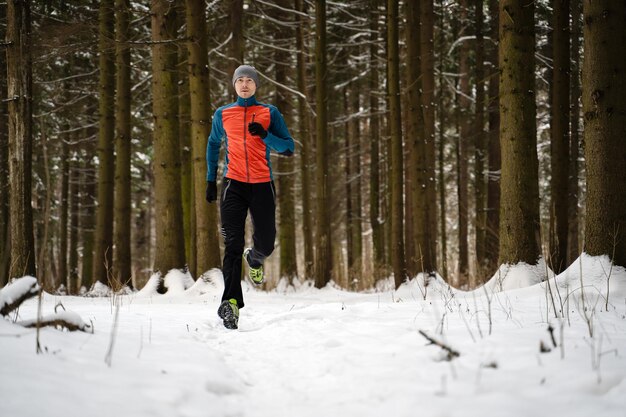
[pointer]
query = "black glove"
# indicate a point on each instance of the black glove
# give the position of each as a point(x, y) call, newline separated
point(256, 129)
point(211, 191)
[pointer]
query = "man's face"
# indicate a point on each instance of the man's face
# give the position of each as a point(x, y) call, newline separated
point(245, 87)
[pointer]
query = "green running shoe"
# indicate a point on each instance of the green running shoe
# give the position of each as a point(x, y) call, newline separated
point(229, 312)
point(256, 274)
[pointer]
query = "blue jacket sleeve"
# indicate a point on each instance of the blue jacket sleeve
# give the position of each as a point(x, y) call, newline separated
point(278, 137)
point(213, 146)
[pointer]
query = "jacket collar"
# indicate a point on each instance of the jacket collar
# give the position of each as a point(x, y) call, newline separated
point(246, 102)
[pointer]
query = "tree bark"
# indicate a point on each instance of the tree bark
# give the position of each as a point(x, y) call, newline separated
point(480, 144)
point(103, 253)
point(604, 109)
point(170, 246)
point(347, 196)
point(397, 208)
point(72, 279)
point(122, 262)
point(573, 247)
point(64, 208)
point(428, 247)
point(492, 233)
point(443, 235)
point(207, 242)
point(559, 149)
point(5, 237)
point(142, 236)
point(306, 138)
point(237, 40)
point(355, 268)
point(376, 221)
point(463, 150)
point(285, 165)
point(519, 210)
point(20, 90)
point(415, 135)
point(184, 135)
point(323, 243)
point(88, 208)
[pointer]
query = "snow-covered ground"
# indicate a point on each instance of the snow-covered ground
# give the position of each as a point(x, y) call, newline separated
point(308, 352)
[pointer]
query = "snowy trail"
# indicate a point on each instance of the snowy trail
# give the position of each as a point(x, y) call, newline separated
point(319, 353)
point(301, 359)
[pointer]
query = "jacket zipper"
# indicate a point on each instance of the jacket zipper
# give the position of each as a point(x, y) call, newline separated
point(245, 145)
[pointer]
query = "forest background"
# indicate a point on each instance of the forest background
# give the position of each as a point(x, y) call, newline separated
point(435, 136)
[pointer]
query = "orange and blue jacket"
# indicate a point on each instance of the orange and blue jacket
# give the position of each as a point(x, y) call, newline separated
point(247, 156)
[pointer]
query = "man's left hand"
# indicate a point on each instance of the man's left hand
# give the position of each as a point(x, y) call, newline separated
point(256, 129)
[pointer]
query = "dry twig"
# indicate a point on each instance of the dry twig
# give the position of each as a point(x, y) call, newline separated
point(450, 353)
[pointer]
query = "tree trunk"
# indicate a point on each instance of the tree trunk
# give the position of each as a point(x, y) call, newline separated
point(573, 247)
point(559, 149)
point(604, 109)
point(44, 253)
point(20, 88)
point(285, 165)
point(347, 196)
point(64, 208)
point(519, 209)
point(323, 258)
point(355, 268)
point(428, 247)
point(463, 150)
point(397, 210)
point(122, 257)
point(480, 144)
point(88, 208)
point(142, 235)
point(5, 237)
point(305, 137)
point(184, 134)
point(441, 156)
point(207, 242)
point(103, 256)
point(378, 236)
point(415, 135)
point(237, 40)
point(170, 247)
point(492, 234)
point(72, 281)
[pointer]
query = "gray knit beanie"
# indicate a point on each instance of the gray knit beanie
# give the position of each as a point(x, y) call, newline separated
point(246, 71)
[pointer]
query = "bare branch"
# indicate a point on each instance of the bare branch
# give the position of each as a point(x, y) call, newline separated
point(66, 320)
point(451, 353)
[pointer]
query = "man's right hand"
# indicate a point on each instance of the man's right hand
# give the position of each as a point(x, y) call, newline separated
point(211, 191)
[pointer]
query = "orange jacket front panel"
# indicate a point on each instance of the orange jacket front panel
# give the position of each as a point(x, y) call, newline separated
point(247, 156)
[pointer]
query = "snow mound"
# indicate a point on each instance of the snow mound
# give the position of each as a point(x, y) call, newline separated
point(152, 286)
point(596, 274)
point(426, 287)
point(99, 290)
point(211, 282)
point(177, 281)
point(296, 286)
point(521, 275)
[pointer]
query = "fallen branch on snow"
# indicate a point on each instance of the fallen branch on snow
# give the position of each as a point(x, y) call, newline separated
point(450, 353)
point(20, 290)
point(64, 320)
point(16, 293)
